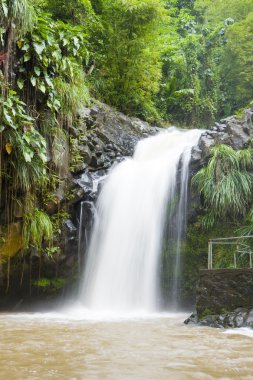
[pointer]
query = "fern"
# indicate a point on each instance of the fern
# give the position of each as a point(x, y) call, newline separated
point(37, 227)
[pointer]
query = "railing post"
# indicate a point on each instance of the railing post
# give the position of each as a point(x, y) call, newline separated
point(250, 259)
point(210, 255)
point(235, 263)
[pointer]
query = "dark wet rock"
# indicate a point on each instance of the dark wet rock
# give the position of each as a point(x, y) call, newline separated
point(249, 319)
point(85, 153)
point(234, 131)
point(192, 320)
point(70, 228)
point(232, 319)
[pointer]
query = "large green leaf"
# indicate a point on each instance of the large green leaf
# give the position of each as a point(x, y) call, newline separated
point(8, 119)
point(39, 47)
point(20, 84)
point(27, 57)
point(42, 87)
point(37, 70)
point(33, 81)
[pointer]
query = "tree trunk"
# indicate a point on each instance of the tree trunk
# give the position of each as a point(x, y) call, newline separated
point(9, 37)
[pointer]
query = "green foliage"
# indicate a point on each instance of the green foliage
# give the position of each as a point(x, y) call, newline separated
point(129, 66)
point(247, 228)
point(226, 183)
point(52, 251)
point(203, 48)
point(72, 94)
point(221, 10)
point(190, 82)
point(57, 223)
point(25, 157)
point(207, 60)
point(235, 58)
point(76, 12)
point(53, 285)
point(237, 64)
point(43, 80)
point(37, 228)
point(55, 52)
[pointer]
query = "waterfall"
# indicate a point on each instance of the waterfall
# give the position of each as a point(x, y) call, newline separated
point(178, 231)
point(123, 264)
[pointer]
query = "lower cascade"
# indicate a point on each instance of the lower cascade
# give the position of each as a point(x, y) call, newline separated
point(140, 196)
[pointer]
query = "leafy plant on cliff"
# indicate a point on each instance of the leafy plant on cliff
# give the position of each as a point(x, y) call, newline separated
point(225, 183)
point(51, 66)
point(37, 228)
point(24, 156)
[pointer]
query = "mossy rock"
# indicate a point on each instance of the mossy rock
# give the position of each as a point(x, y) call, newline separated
point(12, 242)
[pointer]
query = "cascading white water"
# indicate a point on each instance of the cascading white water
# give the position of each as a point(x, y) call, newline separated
point(123, 261)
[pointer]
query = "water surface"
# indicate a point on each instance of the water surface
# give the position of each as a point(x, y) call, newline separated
point(56, 346)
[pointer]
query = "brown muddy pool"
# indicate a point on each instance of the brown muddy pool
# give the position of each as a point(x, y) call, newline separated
point(159, 347)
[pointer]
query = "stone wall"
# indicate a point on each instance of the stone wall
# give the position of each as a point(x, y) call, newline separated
point(223, 290)
point(224, 298)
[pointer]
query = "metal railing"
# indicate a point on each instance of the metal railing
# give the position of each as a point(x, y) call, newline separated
point(241, 248)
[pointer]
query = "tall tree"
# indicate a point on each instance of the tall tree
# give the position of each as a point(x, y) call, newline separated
point(129, 66)
point(235, 61)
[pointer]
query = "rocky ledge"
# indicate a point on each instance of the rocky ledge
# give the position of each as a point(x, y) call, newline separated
point(240, 317)
point(234, 131)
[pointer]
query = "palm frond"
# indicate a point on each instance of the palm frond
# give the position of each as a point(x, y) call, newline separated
point(226, 182)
